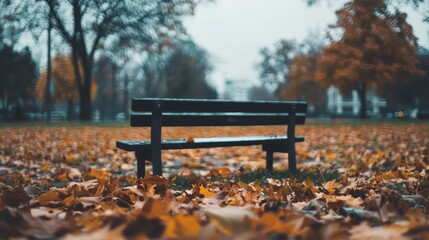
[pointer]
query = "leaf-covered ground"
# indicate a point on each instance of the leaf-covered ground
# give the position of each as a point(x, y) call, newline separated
point(360, 181)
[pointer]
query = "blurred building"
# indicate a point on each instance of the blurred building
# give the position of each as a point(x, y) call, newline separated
point(236, 90)
point(349, 105)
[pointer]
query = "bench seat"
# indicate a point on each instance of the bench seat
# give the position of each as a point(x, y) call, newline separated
point(208, 142)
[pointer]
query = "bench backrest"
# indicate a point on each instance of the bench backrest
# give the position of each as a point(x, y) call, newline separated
point(197, 112)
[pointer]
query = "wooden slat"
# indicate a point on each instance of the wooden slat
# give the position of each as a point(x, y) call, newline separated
point(217, 119)
point(207, 142)
point(205, 105)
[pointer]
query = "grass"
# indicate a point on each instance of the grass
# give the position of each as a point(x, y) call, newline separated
point(260, 175)
point(181, 183)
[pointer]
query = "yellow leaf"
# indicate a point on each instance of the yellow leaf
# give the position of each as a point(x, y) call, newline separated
point(62, 177)
point(155, 208)
point(331, 186)
point(193, 165)
point(48, 198)
point(181, 226)
point(100, 175)
point(204, 191)
point(44, 168)
point(68, 201)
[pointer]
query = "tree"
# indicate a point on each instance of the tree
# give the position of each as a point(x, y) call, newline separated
point(87, 26)
point(275, 65)
point(375, 46)
point(409, 92)
point(105, 72)
point(186, 72)
point(153, 84)
point(414, 3)
point(17, 79)
point(180, 73)
point(260, 93)
point(65, 89)
point(302, 82)
point(290, 67)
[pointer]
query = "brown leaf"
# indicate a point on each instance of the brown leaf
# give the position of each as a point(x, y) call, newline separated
point(181, 226)
point(229, 219)
point(364, 231)
point(50, 197)
point(83, 203)
point(13, 197)
point(105, 233)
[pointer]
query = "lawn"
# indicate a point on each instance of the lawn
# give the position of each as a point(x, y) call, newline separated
point(357, 180)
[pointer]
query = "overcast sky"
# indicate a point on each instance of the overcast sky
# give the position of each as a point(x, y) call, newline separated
point(233, 31)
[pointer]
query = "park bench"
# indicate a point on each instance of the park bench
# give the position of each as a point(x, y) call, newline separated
point(166, 112)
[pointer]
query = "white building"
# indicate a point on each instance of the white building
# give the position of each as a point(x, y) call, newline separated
point(341, 105)
point(236, 90)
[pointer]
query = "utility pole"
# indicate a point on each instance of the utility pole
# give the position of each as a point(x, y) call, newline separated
point(48, 99)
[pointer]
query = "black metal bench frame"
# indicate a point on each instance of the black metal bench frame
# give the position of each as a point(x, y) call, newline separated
point(158, 112)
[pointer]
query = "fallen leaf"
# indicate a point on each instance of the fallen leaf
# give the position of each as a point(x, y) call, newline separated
point(229, 219)
point(205, 191)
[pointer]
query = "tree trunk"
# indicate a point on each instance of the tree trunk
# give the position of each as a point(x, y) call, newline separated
point(70, 110)
point(125, 106)
point(85, 101)
point(48, 99)
point(85, 92)
point(362, 96)
point(114, 97)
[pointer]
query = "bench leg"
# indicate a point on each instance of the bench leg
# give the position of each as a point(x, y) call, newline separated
point(269, 161)
point(155, 138)
point(292, 158)
point(140, 164)
point(156, 163)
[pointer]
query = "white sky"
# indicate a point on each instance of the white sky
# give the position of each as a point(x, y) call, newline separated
point(233, 31)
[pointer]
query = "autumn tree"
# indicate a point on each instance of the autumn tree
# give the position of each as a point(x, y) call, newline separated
point(290, 68)
point(87, 26)
point(416, 4)
point(374, 46)
point(65, 89)
point(302, 83)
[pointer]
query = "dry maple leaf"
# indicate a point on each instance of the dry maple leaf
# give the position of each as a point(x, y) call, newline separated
point(205, 192)
point(331, 186)
point(83, 203)
point(49, 198)
point(229, 219)
point(364, 231)
point(181, 226)
point(154, 208)
point(348, 200)
point(193, 165)
point(104, 233)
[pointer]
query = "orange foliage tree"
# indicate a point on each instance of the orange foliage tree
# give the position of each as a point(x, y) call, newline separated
point(302, 70)
point(375, 46)
point(65, 88)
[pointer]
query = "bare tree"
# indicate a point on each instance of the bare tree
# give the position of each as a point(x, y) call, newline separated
point(89, 25)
